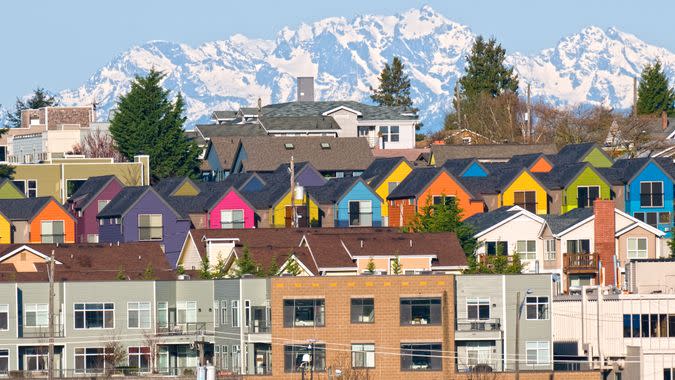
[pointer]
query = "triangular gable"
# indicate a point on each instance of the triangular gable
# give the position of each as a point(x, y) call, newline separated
point(161, 199)
point(650, 161)
point(339, 108)
point(474, 169)
point(254, 183)
point(581, 171)
point(231, 189)
point(596, 153)
point(541, 165)
point(529, 174)
point(302, 265)
point(26, 265)
point(186, 188)
point(59, 205)
point(521, 212)
point(452, 177)
point(309, 167)
point(7, 186)
point(349, 189)
point(636, 223)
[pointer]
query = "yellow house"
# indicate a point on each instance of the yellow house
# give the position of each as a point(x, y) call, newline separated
point(526, 191)
point(5, 230)
point(307, 211)
point(383, 175)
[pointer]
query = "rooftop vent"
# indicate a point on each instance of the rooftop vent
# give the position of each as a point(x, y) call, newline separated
point(289, 146)
point(325, 145)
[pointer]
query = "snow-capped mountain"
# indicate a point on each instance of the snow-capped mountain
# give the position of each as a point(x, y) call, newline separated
point(346, 55)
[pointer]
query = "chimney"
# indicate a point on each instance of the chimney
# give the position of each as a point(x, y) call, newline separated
point(604, 227)
point(305, 89)
point(664, 120)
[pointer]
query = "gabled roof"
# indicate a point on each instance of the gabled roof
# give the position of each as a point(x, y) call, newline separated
point(225, 148)
point(25, 208)
point(496, 181)
point(230, 129)
point(381, 168)
point(485, 222)
point(562, 175)
point(8, 182)
point(459, 166)
point(90, 189)
point(442, 153)
point(561, 223)
point(414, 183)
point(573, 153)
point(168, 186)
point(224, 115)
point(265, 154)
point(317, 108)
point(627, 169)
point(127, 198)
point(527, 160)
point(412, 155)
point(333, 190)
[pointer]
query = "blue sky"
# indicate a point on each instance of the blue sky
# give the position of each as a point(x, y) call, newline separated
point(60, 44)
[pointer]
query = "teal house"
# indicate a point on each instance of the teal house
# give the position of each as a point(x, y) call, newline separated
point(347, 202)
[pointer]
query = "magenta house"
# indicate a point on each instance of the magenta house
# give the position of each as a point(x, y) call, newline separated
point(85, 204)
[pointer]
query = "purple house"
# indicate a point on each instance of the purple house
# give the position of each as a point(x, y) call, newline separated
point(305, 174)
point(139, 213)
point(88, 201)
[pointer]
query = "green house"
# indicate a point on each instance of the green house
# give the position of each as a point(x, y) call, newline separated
point(9, 191)
point(573, 186)
point(585, 152)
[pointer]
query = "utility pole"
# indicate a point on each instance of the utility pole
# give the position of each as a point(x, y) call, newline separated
point(597, 302)
point(50, 354)
point(294, 220)
point(518, 311)
point(530, 132)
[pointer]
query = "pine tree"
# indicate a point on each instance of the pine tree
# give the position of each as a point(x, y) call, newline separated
point(396, 267)
point(147, 122)
point(219, 269)
point(246, 265)
point(292, 267)
point(273, 270)
point(394, 87)
point(371, 266)
point(654, 92)
point(180, 270)
point(40, 98)
point(486, 72)
point(205, 269)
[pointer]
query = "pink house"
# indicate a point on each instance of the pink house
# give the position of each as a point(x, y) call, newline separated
point(231, 210)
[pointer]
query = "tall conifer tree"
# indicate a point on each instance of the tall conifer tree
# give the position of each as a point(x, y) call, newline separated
point(394, 87)
point(654, 93)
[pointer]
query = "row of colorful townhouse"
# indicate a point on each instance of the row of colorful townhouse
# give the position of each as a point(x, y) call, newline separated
point(413, 326)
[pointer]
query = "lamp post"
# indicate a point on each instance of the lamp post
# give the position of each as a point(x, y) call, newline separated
point(519, 313)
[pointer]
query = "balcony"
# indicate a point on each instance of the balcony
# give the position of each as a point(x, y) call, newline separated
point(471, 329)
point(188, 328)
point(580, 263)
point(259, 331)
point(41, 332)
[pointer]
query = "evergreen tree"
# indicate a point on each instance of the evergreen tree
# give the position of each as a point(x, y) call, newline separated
point(205, 269)
point(396, 267)
point(147, 122)
point(180, 270)
point(444, 217)
point(371, 266)
point(292, 267)
point(394, 87)
point(40, 98)
point(654, 92)
point(246, 265)
point(219, 270)
point(273, 270)
point(485, 71)
point(149, 272)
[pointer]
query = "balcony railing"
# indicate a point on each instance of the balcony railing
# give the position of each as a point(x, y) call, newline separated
point(259, 327)
point(580, 262)
point(189, 328)
point(491, 324)
point(41, 332)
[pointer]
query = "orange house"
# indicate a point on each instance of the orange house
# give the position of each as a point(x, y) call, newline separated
point(39, 220)
point(425, 186)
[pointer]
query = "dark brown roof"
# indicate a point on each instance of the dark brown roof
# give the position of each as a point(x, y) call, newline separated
point(92, 262)
point(410, 154)
point(265, 154)
point(226, 149)
point(442, 153)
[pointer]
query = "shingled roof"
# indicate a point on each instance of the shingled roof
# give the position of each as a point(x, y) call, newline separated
point(333, 190)
point(414, 183)
point(458, 166)
point(488, 152)
point(24, 208)
point(559, 223)
point(167, 186)
point(317, 108)
point(483, 221)
point(380, 169)
point(89, 190)
point(562, 175)
point(572, 153)
point(299, 123)
point(234, 129)
point(265, 154)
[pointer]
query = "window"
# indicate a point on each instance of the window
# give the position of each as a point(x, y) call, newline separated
point(303, 313)
point(363, 310)
point(651, 194)
point(226, 357)
point(668, 373)
point(94, 315)
point(37, 315)
point(293, 355)
point(384, 132)
point(223, 312)
point(363, 356)
point(466, 140)
point(289, 146)
point(579, 246)
point(537, 352)
point(586, 195)
point(235, 358)
point(527, 249)
point(648, 325)
point(102, 204)
point(360, 213)
point(664, 218)
point(394, 133)
point(53, 232)
point(421, 357)
point(35, 358)
point(89, 360)
point(421, 311)
point(651, 218)
point(478, 308)
point(162, 314)
point(247, 313)
point(549, 246)
point(497, 248)
point(139, 357)
point(3, 153)
point(31, 188)
point(637, 248)
point(526, 200)
point(186, 312)
point(442, 199)
point(537, 307)
point(216, 313)
point(235, 313)
point(231, 219)
point(4, 317)
point(92, 238)
point(325, 145)
point(72, 185)
point(4, 361)
point(478, 352)
point(150, 227)
point(138, 315)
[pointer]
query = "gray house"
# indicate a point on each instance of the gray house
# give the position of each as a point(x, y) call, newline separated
point(485, 330)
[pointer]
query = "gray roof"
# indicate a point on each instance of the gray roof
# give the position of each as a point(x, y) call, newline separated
point(458, 166)
point(168, 185)
point(332, 190)
point(89, 190)
point(483, 221)
point(278, 184)
point(571, 153)
point(559, 223)
point(265, 154)
point(625, 169)
point(231, 130)
point(24, 208)
point(299, 123)
point(379, 169)
point(525, 160)
point(195, 137)
point(318, 108)
point(414, 183)
point(442, 153)
point(561, 175)
point(223, 115)
point(123, 201)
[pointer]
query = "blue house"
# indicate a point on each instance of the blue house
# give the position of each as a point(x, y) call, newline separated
point(465, 167)
point(347, 202)
point(139, 213)
point(648, 194)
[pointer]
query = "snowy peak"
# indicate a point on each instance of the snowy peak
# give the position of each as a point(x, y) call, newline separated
point(346, 55)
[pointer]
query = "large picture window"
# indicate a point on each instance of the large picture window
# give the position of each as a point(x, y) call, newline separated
point(150, 227)
point(527, 249)
point(579, 246)
point(304, 313)
point(360, 213)
point(36, 315)
point(138, 315)
point(231, 219)
point(89, 360)
point(651, 194)
point(421, 311)
point(421, 357)
point(53, 231)
point(526, 200)
point(94, 315)
point(586, 195)
point(293, 355)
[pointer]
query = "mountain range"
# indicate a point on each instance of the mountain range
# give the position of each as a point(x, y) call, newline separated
point(594, 66)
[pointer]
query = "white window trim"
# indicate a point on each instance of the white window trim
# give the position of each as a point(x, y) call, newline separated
point(95, 328)
point(478, 300)
point(548, 350)
point(636, 240)
point(7, 306)
point(523, 255)
point(139, 310)
point(548, 311)
point(26, 311)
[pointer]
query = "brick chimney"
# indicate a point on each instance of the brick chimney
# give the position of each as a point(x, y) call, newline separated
point(605, 227)
point(664, 120)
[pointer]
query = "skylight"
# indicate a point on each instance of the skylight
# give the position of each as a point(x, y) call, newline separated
point(325, 145)
point(289, 146)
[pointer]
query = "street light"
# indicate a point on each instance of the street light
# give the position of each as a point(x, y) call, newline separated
point(519, 313)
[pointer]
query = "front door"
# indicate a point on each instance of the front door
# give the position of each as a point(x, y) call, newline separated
point(301, 215)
